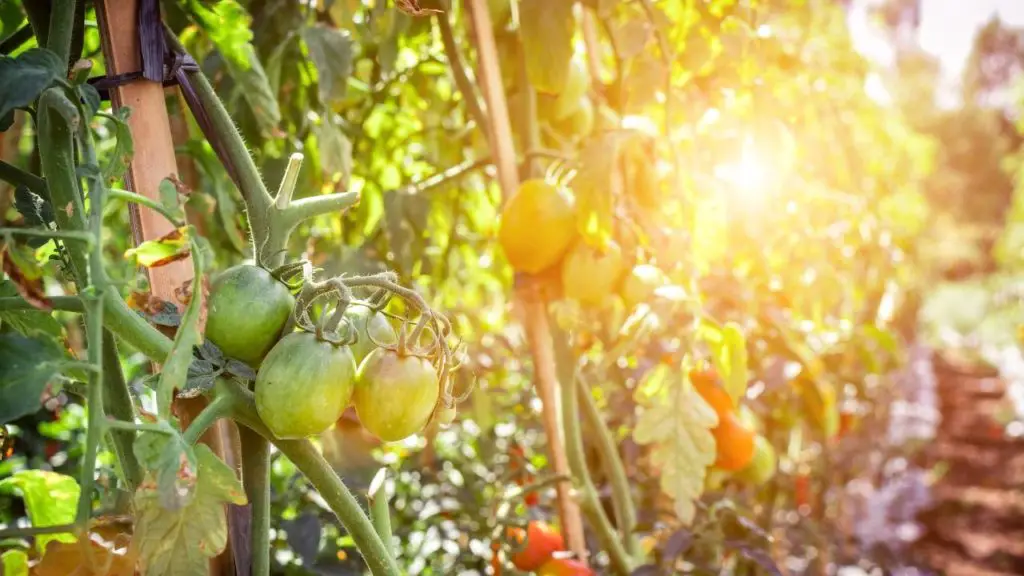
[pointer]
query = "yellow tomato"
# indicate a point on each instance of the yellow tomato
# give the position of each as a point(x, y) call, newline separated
point(538, 224)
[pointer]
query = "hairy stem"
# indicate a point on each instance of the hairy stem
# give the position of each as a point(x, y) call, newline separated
point(380, 514)
point(220, 407)
point(256, 479)
point(622, 501)
point(611, 542)
point(62, 24)
point(311, 463)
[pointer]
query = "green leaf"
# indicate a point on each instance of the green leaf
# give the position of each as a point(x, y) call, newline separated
point(27, 365)
point(335, 153)
point(175, 371)
point(180, 542)
point(27, 322)
point(595, 186)
point(169, 195)
point(124, 147)
point(331, 52)
point(252, 81)
point(38, 212)
point(546, 27)
point(24, 77)
point(171, 460)
point(50, 500)
point(154, 253)
point(729, 354)
point(14, 563)
point(677, 427)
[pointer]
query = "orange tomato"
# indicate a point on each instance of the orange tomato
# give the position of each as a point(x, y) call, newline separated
point(542, 540)
point(709, 387)
point(734, 442)
point(538, 224)
point(564, 567)
point(802, 490)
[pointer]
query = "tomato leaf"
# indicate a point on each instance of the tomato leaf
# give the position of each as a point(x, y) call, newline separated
point(27, 322)
point(162, 251)
point(24, 77)
point(20, 266)
point(331, 52)
point(175, 371)
point(37, 211)
point(546, 27)
point(180, 542)
point(596, 185)
point(335, 153)
point(677, 427)
point(27, 365)
point(14, 563)
point(729, 354)
point(63, 558)
point(124, 146)
point(173, 463)
point(157, 310)
point(50, 500)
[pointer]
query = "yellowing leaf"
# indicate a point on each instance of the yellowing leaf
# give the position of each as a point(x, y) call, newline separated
point(678, 429)
point(163, 250)
point(50, 499)
point(729, 348)
point(180, 542)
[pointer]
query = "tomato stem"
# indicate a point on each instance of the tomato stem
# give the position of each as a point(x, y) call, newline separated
point(256, 481)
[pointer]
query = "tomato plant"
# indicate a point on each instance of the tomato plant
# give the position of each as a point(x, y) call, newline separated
point(395, 393)
point(247, 312)
point(539, 541)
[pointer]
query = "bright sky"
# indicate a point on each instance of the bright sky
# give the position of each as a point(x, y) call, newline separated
point(947, 31)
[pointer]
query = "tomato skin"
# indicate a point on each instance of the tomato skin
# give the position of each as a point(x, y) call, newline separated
point(734, 443)
point(304, 385)
point(640, 284)
point(367, 324)
point(763, 465)
point(395, 394)
point(564, 567)
point(590, 275)
point(538, 224)
point(706, 382)
point(542, 540)
point(246, 313)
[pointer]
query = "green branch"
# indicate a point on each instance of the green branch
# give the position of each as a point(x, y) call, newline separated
point(256, 480)
point(118, 403)
point(127, 196)
point(311, 463)
point(13, 175)
point(86, 237)
point(220, 407)
point(62, 25)
point(63, 303)
point(458, 68)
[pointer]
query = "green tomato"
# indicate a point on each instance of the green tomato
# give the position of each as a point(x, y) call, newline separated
point(246, 313)
point(304, 385)
point(590, 275)
point(369, 324)
point(762, 467)
point(395, 394)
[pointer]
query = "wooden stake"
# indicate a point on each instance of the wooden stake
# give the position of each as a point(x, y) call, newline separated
point(531, 303)
point(152, 161)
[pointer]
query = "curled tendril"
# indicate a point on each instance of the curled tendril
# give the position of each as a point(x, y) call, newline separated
point(428, 338)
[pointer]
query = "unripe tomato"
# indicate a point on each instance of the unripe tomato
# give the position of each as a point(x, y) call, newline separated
point(542, 540)
point(565, 567)
point(395, 394)
point(368, 324)
point(708, 385)
point(576, 84)
point(247, 310)
point(580, 123)
point(762, 467)
point(304, 385)
point(734, 443)
point(538, 224)
point(590, 274)
point(640, 284)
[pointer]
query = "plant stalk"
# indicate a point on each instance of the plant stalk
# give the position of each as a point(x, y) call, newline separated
point(256, 479)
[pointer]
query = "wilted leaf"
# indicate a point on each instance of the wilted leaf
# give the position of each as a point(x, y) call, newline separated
point(50, 499)
point(170, 461)
point(124, 146)
point(37, 211)
point(61, 558)
point(24, 77)
point(546, 27)
point(27, 365)
point(331, 52)
point(173, 543)
point(28, 322)
point(678, 428)
point(164, 250)
point(157, 310)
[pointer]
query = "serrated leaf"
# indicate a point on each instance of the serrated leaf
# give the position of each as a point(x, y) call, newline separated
point(24, 77)
point(168, 193)
point(27, 365)
point(196, 385)
point(14, 563)
point(331, 52)
point(50, 499)
point(173, 543)
point(240, 369)
point(37, 211)
point(211, 353)
point(546, 28)
point(27, 322)
point(164, 250)
point(124, 146)
point(169, 462)
point(677, 427)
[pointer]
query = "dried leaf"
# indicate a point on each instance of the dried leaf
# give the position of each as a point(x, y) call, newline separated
point(26, 276)
point(164, 250)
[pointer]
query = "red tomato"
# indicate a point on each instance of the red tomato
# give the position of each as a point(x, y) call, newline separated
point(564, 567)
point(542, 540)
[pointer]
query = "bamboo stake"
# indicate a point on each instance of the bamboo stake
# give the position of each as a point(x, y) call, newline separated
point(530, 302)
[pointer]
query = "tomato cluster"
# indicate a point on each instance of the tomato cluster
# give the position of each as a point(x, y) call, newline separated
point(538, 544)
point(304, 382)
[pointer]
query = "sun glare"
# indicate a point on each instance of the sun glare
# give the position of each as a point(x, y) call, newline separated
point(749, 175)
